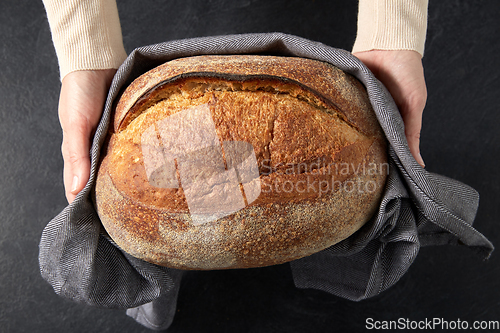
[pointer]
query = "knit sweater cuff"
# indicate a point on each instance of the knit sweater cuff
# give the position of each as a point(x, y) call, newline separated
point(86, 34)
point(391, 25)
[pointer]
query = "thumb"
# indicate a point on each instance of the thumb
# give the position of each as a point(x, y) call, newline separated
point(76, 155)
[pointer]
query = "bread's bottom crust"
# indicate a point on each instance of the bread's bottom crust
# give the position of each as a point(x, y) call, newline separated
point(256, 236)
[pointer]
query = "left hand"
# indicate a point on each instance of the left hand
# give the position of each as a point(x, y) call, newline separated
point(81, 103)
point(402, 74)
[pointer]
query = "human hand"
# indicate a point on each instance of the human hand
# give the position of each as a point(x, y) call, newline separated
point(81, 102)
point(402, 74)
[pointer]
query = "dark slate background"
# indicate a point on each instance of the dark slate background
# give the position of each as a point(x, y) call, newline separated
point(460, 139)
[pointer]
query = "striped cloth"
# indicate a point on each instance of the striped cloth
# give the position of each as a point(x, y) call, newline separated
point(418, 208)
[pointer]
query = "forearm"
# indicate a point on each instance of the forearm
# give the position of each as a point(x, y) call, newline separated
point(391, 25)
point(86, 34)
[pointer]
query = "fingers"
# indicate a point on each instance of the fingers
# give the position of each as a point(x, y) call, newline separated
point(411, 95)
point(411, 112)
point(412, 117)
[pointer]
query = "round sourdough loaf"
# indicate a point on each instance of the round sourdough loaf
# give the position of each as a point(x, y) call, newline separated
point(237, 161)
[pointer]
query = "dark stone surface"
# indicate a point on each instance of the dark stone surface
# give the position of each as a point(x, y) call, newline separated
point(460, 139)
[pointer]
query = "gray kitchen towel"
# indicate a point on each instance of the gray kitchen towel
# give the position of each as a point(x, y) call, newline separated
point(418, 208)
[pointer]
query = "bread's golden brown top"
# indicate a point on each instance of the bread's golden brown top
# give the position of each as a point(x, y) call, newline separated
point(329, 82)
point(292, 117)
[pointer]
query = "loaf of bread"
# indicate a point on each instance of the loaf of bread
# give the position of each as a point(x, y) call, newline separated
point(237, 161)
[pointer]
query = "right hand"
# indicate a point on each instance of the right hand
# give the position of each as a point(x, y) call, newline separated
point(81, 102)
point(402, 73)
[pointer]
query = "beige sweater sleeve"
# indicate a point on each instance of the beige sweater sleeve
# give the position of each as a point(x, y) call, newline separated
point(86, 34)
point(391, 25)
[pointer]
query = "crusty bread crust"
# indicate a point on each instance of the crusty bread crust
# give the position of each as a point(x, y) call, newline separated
point(320, 152)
